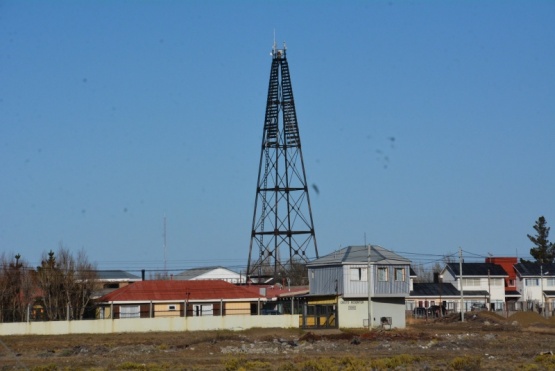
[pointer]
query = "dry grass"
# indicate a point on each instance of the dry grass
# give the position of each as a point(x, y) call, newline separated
point(485, 341)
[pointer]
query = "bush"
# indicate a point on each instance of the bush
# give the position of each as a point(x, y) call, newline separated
point(466, 363)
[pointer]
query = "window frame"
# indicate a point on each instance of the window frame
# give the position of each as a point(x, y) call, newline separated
point(383, 274)
point(402, 272)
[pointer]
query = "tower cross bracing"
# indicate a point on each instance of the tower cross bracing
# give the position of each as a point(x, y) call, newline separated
point(282, 228)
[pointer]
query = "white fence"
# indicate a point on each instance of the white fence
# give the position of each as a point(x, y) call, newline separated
point(109, 326)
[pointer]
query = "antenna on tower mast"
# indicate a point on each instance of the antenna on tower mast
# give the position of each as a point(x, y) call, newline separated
point(165, 249)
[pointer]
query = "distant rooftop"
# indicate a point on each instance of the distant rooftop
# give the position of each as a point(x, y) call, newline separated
point(116, 275)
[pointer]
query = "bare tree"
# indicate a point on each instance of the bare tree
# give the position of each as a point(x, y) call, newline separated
point(16, 289)
point(67, 284)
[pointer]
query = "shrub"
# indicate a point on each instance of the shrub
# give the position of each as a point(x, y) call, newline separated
point(466, 363)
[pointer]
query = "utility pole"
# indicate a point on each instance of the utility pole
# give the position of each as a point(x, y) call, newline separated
point(461, 282)
point(489, 290)
point(369, 278)
point(541, 289)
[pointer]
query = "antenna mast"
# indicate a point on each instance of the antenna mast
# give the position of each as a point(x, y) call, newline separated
point(282, 233)
point(165, 249)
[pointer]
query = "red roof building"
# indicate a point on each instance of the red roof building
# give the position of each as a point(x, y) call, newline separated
point(147, 299)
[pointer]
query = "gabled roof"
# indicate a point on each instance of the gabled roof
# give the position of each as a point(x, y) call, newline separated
point(477, 269)
point(359, 255)
point(193, 273)
point(116, 275)
point(535, 269)
point(200, 290)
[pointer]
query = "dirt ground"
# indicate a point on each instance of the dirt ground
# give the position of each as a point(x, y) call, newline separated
point(485, 341)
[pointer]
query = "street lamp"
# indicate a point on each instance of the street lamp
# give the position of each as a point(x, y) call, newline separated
point(440, 292)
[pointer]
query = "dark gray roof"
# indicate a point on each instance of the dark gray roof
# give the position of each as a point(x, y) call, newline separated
point(445, 289)
point(116, 275)
point(477, 269)
point(549, 293)
point(535, 269)
point(358, 255)
point(434, 289)
point(475, 292)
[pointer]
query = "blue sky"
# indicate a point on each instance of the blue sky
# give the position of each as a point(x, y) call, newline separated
point(116, 114)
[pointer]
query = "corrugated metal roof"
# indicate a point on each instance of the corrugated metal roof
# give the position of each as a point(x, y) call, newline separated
point(278, 291)
point(180, 290)
point(359, 254)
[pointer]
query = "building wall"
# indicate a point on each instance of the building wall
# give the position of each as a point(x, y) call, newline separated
point(326, 280)
point(355, 277)
point(168, 324)
point(353, 313)
point(237, 308)
point(165, 309)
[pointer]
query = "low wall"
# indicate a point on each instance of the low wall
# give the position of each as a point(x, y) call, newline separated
point(109, 326)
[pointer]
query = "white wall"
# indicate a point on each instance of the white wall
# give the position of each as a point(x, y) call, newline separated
point(108, 326)
point(353, 313)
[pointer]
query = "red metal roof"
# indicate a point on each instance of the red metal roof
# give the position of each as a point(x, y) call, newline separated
point(180, 290)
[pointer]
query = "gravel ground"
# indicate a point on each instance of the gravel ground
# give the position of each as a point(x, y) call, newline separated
point(485, 341)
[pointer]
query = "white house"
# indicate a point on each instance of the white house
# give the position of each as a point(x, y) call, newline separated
point(483, 282)
point(536, 283)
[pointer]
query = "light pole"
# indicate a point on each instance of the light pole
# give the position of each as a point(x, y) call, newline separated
point(440, 292)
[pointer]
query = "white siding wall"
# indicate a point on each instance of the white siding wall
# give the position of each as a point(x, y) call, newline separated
point(353, 313)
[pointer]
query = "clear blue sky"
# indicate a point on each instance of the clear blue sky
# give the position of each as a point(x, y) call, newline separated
point(114, 114)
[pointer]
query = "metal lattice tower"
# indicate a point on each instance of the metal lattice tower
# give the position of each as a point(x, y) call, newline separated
point(282, 227)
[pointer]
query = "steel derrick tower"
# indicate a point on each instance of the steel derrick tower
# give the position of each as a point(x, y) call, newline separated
point(282, 227)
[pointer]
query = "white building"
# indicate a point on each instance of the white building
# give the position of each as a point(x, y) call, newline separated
point(485, 282)
point(210, 273)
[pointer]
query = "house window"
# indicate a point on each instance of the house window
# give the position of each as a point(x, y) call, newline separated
point(400, 274)
point(382, 274)
point(532, 282)
point(497, 282)
point(171, 307)
point(471, 282)
point(358, 274)
point(129, 311)
point(550, 282)
point(511, 283)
